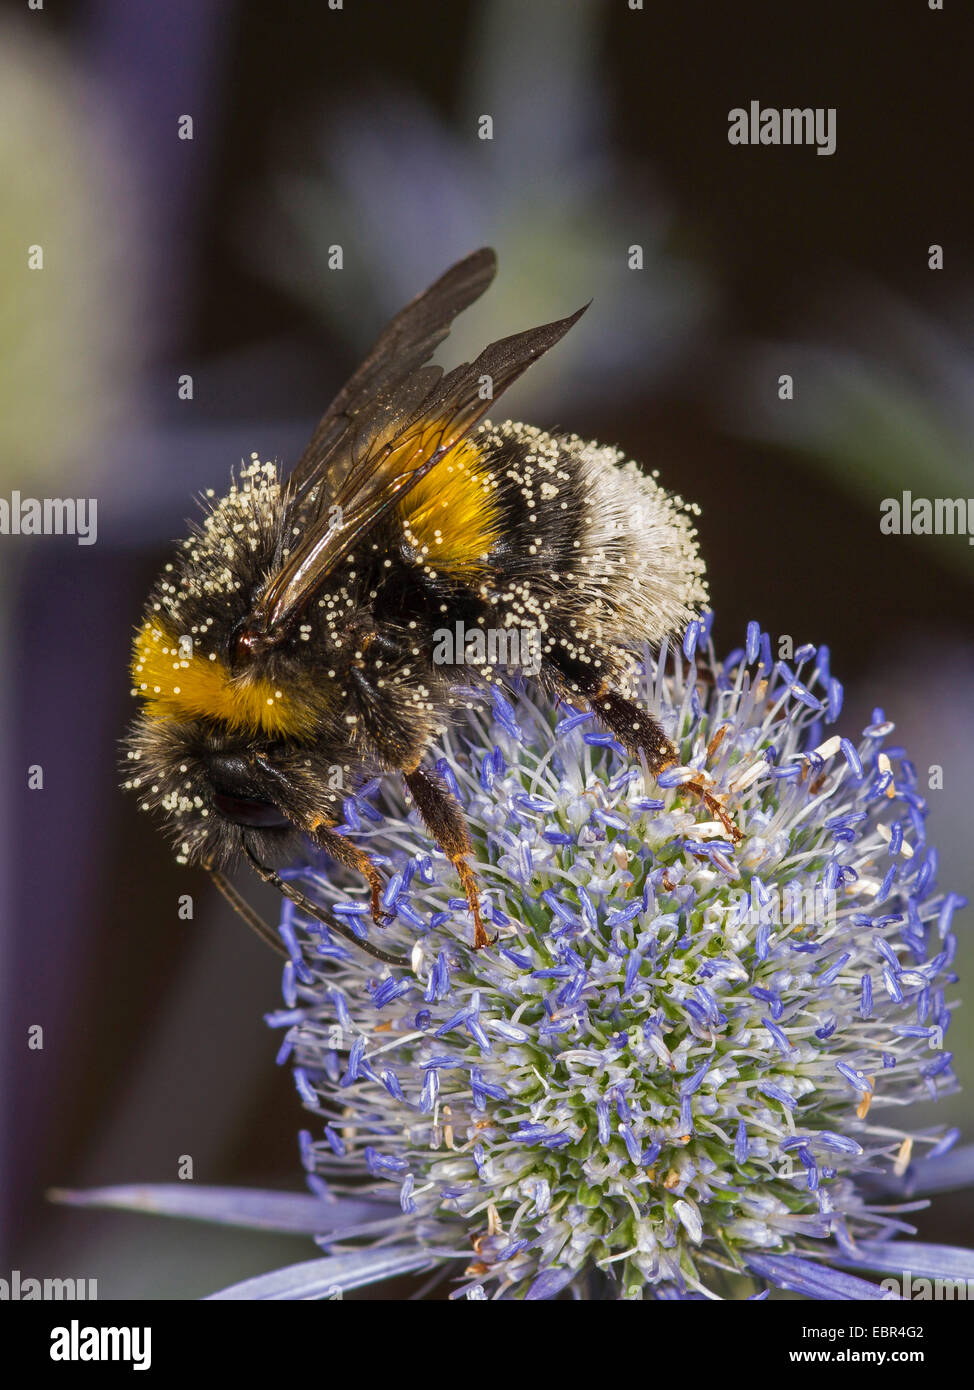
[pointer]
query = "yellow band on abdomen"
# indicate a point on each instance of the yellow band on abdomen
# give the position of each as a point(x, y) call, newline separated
point(451, 516)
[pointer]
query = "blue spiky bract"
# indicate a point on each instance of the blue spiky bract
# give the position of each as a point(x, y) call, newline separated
point(682, 1055)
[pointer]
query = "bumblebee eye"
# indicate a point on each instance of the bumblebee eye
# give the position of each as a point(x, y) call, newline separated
point(244, 810)
point(238, 795)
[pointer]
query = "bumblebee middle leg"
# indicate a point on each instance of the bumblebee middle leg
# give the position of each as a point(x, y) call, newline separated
point(444, 820)
point(352, 857)
point(336, 845)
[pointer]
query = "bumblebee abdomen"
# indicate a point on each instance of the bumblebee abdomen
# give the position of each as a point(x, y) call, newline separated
point(590, 546)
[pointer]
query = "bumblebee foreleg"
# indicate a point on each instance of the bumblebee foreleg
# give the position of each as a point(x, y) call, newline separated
point(444, 820)
point(310, 909)
point(245, 912)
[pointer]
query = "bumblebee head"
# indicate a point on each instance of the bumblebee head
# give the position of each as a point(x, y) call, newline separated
point(241, 793)
point(220, 793)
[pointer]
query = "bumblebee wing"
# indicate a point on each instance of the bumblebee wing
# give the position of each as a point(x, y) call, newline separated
point(394, 461)
point(383, 379)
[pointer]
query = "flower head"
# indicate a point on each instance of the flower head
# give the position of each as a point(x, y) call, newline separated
point(682, 1063)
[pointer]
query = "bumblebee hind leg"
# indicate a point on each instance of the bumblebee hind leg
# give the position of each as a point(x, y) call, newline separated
point(637, 731)
point(640, 734)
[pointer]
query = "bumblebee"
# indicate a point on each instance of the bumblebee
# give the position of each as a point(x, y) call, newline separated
point(295, 645)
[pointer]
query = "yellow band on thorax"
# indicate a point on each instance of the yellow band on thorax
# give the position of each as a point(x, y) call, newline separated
point(178, 681)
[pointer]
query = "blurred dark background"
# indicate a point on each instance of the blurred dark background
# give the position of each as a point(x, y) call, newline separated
point(209, 257)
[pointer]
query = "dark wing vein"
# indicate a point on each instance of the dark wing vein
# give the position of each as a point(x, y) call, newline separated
point(380, 480)
point(409, 340)
point(384, 431)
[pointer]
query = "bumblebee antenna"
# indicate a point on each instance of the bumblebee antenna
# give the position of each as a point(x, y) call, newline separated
point(306, 906)
point(247, 913)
